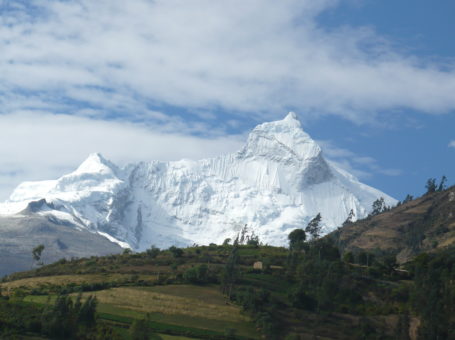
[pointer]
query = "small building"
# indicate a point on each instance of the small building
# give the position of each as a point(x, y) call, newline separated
point(258, 265)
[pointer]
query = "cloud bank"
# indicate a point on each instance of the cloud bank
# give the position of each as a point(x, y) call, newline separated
point(126, 78)
point(257, 56)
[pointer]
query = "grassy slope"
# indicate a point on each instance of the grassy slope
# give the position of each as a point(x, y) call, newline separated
point(424, 224)
point(133, 290)
point(181, 309)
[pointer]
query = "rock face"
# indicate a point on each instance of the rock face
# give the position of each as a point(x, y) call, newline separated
point(277, 182)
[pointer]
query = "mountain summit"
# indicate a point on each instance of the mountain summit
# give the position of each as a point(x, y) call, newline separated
point(277, 182)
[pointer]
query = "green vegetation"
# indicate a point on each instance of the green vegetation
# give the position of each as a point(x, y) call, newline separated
point(433, 294)
point(432, 187)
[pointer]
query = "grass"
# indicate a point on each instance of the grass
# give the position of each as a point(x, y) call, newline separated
point(210, 294)
point(172, 308)
point(151, 300)
point(62, 280)
point(166, 328)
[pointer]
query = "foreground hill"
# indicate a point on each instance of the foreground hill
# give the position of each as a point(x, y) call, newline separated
point(233, 292)
point(278, 181)
point(421, 225)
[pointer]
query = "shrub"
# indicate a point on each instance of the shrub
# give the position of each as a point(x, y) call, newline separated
point(153, 252)
point(176, 252)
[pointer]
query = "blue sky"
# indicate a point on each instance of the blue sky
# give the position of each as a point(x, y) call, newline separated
point(372, 81)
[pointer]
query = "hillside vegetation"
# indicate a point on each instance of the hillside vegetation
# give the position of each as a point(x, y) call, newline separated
point(421, 225)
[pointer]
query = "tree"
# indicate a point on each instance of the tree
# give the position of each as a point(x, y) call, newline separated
point(230, 272)
point(37, 252)
point(253, 240)
point(153, 252)
point(442, 184)
point(313, 227)
point(197, 275)
point(378, 207)
point(431, 185)
point(140, 329)
point(350, 218)
point(296, 239)
point(408, 198)
point(87, 311)
point(176, 252)
point(242, 234)
point(60, 320)
point(348, 257)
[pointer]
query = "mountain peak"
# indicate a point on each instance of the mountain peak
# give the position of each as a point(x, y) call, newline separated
point(286, 135)
point(95, 163)
point(291, 118)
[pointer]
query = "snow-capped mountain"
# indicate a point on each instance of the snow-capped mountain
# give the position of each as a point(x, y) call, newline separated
point(277, 182)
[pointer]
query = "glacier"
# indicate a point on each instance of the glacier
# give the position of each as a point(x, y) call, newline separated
point(277, 182)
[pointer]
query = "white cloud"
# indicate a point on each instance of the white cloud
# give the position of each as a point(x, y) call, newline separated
point(94, 61)
point(259, 56)
point(452, 144)
point(44, 146)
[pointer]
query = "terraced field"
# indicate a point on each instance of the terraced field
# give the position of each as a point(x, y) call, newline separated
point(175, 309)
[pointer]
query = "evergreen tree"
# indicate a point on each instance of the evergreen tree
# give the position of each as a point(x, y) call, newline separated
point(350, 218)
point(86, 313)
point(378, 207)
point(231, 271)
point(60, 321)
point(313, 227)
point(442, 184)
point(408, 198)
point(431, 185)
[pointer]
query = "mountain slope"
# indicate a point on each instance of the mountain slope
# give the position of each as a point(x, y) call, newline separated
point(421, 225)
point(40, 224)
point(278, 181)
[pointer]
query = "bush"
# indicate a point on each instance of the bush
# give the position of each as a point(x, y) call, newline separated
point(176, 252)
point(153, 252)
point(198, 274)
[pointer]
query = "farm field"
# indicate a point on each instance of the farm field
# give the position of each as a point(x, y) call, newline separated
point(184, 306)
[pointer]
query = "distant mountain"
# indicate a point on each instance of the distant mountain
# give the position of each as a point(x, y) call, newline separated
point(421, 225)
point(277, 182)
point(39, 224)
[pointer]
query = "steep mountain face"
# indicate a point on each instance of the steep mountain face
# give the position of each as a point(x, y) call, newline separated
point(277, 182)
point(421, 225)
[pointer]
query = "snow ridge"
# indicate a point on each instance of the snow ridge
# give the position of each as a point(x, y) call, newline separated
point(277, 182)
